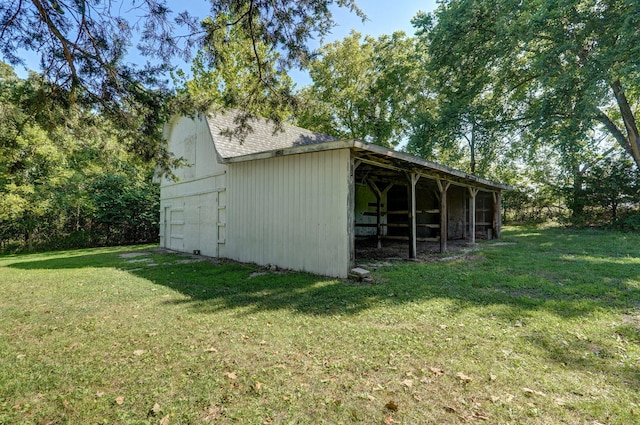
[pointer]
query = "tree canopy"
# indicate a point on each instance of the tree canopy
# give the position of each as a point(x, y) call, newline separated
point(559, 69)
point(363, 88)
point(83, 47)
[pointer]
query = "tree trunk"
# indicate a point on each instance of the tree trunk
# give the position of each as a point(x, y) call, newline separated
point(631, 142)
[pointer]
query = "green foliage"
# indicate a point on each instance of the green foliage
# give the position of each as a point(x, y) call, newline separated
point(610, 188)
point(234, 71)
point(363, 88)
point(83, 49)
point(560, 70)
point(49, 175)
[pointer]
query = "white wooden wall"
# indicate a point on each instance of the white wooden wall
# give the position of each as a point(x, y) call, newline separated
point(290, 211)
point(192, 209)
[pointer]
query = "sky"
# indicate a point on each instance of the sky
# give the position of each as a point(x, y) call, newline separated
point(383, 17)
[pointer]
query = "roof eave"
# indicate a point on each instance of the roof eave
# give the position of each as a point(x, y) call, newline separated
point(316, 147)
point(352, 143)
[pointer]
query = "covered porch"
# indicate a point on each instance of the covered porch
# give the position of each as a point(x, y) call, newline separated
point(400, 200)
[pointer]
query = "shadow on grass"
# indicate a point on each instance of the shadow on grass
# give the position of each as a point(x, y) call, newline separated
point(567, 273)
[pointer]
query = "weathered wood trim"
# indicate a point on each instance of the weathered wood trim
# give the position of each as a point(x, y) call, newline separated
point(351, 210)
point(413, 180)
point(443, 186)
point(472, 214)
point(497, 216)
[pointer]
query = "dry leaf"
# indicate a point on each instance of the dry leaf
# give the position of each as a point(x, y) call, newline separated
point(530, 392)
point(436, 371)
point(391, 405)
point(138, 352)
point(493, 377)
point(155, 410)
point(211, 350)
point(165, 420)
point(231, 375)
point(388, 420)
point(450, 409)
point(481, 416)
point(99, 393)
point(120, 400)
point(463, 377)
point(370, 397)
point(494, 399)
point(407, 383)
point(257, 386)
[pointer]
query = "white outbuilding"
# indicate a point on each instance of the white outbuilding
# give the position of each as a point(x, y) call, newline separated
point(303, 201)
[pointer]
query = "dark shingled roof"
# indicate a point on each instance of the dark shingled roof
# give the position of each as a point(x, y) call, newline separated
point(263, 137)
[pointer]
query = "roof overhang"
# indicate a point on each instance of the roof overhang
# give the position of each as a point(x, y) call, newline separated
point(385, 158)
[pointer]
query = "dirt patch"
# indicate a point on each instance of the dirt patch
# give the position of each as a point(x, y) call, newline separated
point(134, 254)
point(367, 251)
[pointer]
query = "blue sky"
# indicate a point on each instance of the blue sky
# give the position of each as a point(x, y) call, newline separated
point(383, 17)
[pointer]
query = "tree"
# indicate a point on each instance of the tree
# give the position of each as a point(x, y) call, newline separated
point(224, 78)
point(362, 88)
point(83, 46)
point(459, 123)
point(559, 69)
point(51, 172)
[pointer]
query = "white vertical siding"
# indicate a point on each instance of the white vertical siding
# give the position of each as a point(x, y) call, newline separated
point(291, 211)
point(190, 212)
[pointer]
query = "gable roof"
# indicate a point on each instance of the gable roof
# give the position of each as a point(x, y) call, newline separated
point(262, 136)
point(265, 141)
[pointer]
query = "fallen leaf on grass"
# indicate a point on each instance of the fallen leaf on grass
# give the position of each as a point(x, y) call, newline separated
point(436, 371)
point(257, 386)
point(138, 352)
point(464, 378)
point(450, 409)
point(493, 377)
point(480, 416)
point(388, 420)
point(120, 400)
point(211, 350)
point(165, 420)
point(530, 392)
point(231, 375)
point(407, 383)
point(155, 410)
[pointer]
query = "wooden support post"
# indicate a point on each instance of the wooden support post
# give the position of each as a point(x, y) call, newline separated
point(472, 213)
point(497, 217)
point(442, 187)
point(413, 180)
point(351, 213)
point(380, 194)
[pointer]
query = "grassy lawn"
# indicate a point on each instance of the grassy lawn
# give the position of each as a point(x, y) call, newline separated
point(540, 327)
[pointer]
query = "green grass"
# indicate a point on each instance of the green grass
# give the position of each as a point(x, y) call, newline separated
point(540, 327)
